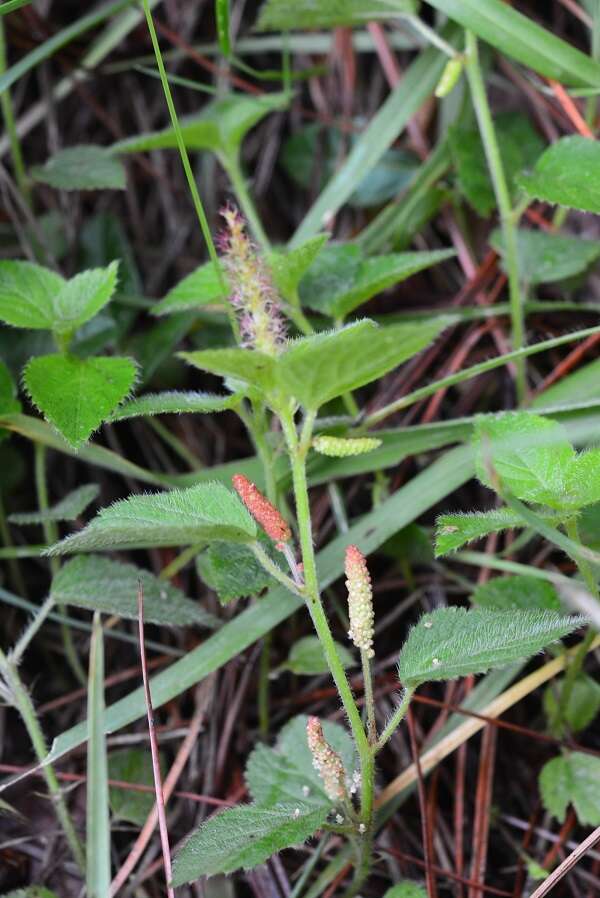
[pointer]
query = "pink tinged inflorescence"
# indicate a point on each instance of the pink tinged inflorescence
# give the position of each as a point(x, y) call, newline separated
point(262, 325)
point(263, 511)
point(326, 761)
point(360, 600)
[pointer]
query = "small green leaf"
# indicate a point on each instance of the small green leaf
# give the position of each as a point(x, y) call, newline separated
point(97, 816)
point(284, 15)
point(27, 294)
point(174, 403)
point(572, 779)
point(77, 395)
point(567, 173)
point(316, 369)
point(406, 890)
point(519, 591)
point(332, 273)
point(306, 657)
point(82, 297)
point(245, 365)
point(288, 268)
point(208, 511)
point(454, 642)
point(200, 288)
point(100, 584)
point(232, 571)
point(9, 404)
point(244, 837)
point(68, 509)
point(454, 530)
point(582, 486)
point(545, 258)
point(131, 765)
point(84, 167)
point(583, 704)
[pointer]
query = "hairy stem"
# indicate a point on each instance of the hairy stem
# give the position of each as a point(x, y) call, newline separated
point(396, 718)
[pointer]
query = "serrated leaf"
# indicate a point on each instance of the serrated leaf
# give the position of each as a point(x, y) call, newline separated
point(454, 530)
point(516, 592)
point(131, 765)
point(567, 173)
point(81, 298)
point(284, 15)
point(200, 288)
point(406, 890)
point(288, 268)
point(306, 657)
point(316, 369)
point(545, 257)
point(27, 294)
point(67, 509)
point(572, 779)
point(84, 167)
point(232, 571)
point(246, 365)
point(285, 773)
point(582, 482)
point(100, 584)
point(583, 704)
point(244, 837)
point(455, 642)
point(208, 511)
point(9, 404)
point(77, 395)
point(174, 403)
point(530, 455)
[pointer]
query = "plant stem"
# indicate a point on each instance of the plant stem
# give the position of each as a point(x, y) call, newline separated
point(395, 719)
point(273, 569)
point(507, 219)
point(180, 561)
point(24, 706)
point(11, 553)
point(11, 128)
point(369, 700)
point(31, 630)
point(231, 164)
point(264, 670)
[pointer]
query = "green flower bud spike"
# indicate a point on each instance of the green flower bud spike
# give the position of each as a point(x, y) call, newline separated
point(339, 447)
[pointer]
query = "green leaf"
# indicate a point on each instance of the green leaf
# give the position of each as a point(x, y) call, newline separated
point(316, 369)
point(529, 454)
point(406, 890)
point(285, 15)
point(454, 642)
point(286, 774)
point(232, 571)
point(333, 273)
point(288, 268)
point(200, 288)
point(82, 297)
point(84, 167)
point(583, 704)
point(306, 657)
point(77, 395)
point(68, 509)
point(97, 819)
point(9, 404)
point(131, 765)
point(31, 892)
point(101, 584)
point(454, 530)
point(582, 486)
point(208, 511)
point(545, 257)
point(245, 365)
point(518, 592)
point(567, 173)
point(581, 386)
point(572, 779)
point(174, 403)
point(27, 294)
point(245, 836)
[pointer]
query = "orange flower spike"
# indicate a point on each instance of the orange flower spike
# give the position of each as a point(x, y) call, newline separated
point(263, 511)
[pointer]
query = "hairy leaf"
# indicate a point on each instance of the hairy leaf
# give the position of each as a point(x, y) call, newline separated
point(572, 779)
point(198, 289)
point(82, 297)
point(454, 642)
point(174, 403)
point(232, 570)
point(454, 530)
point(288, 268)
point(244, 365)
point(27, 294)
point(77, 395)
point(208, 511)
point(306, 657)
point(519, 591)
point(284, 15)
point(67, 509)
point(567, 173)
point(84, 167)
point(545, 257)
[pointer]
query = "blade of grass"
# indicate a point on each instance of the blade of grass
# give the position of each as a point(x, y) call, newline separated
point(11, 5)
point(98, 824)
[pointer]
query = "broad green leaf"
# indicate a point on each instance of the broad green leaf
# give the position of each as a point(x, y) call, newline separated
point(285, 15)
point(316, 369)
point(583, 704)
point(545, 257)
point(232, 571)
point(288, 268)
point(198, 289)
point(208, 511)
point(572, 779)
point(406, 890)
point(27, 294)
point(454, 642)
point(582, 486)
point(244, 365)
point(9, 404)
point(100, 584)
point(174, 403)
point(454, 530)
point(567, 173)
point(332, 273)
point(307, 658)
point(529, 455)
point(84, 167)
point(97, 818)
point(285, 773)
point(67, 509)
point(131, 765)
point(77, 395)
point(517, 592)
point(220, 127)
point(244, 837)
point(82, 297)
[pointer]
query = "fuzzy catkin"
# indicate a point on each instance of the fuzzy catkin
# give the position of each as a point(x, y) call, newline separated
point(341, 447)
point(360, 600)
point(263, 511)
point(326, 761)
